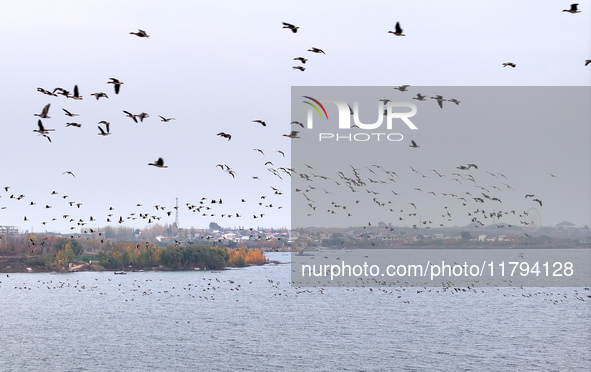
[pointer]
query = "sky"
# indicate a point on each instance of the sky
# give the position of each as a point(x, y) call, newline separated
point(217, 66)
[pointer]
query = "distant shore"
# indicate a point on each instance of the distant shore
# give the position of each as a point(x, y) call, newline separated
point(18, 264)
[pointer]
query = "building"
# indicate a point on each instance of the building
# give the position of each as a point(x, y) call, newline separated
point(8, 230)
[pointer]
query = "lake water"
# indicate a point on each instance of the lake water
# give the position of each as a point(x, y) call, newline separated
point(252, 319)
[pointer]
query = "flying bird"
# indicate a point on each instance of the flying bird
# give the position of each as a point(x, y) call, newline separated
point(166, 120)
point(587, 61)
point(140, 33)
point(99, 95)
point(159, 163)
point(44, 112)
point(316, 50)
point(439, 100)
point(510, 64)
point(260, 122)
point(76, 95)
point(573, 9)
point(293, 28)
point(402, 88)
point(42, 129)
point(398, 30)
point(78, 125)
point(301, 68)
point(68, 113)
point(116, 84)
point(301, 59)
point(413, 144)
point(69, 172)
point(102, 132)
point(419, 97)
point(225, 135)
point(130, 115)
point(293, 134)
point(297, 123)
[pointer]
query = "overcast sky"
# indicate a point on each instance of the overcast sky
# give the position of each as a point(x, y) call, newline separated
point(216, 67)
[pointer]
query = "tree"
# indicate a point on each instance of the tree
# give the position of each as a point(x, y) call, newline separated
point(215, 226)
point(64, 256)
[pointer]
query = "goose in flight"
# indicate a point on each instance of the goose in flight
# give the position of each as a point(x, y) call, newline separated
point(293, 134)
point(116, 84)
point(99, 95)
point(573, 9)
point(587, 61)
point(44, 112)
point(316, 50)
point(140, 33)
point(159, 163)
point(301, 68)
point(301, 59)
point(130, 115)
point(77, 125)
point(297, 123)
point(225, 135)
point(510, 64)
point(70, 173)
point(142, 116)
point(42, 129)
point(453, 100)
point(419, 97)
point(260, 122)
point(68, 113)
point(413, 144)
point(102, 132)
point(76, 94)
point(293, 28)
point(166, 120)
point(402, 88)
point(398, 30)
point(439, 100)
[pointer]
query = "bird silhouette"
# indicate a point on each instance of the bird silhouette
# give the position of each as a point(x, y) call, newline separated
point(398, 30)
point(159, 163)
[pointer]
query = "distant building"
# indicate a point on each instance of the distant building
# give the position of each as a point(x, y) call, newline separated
point(8, 230)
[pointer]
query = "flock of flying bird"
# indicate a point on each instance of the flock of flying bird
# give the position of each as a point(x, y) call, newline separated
point(104, 128)
point(427, 198)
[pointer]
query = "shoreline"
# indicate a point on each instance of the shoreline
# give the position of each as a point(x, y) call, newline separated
point(18, 264)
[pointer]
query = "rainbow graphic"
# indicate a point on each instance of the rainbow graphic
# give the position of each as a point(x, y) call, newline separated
point(316, 107)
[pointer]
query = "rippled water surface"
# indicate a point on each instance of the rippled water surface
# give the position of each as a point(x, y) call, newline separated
point(252, 319)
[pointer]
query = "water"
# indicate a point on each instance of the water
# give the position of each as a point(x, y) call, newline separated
point(252, 319)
